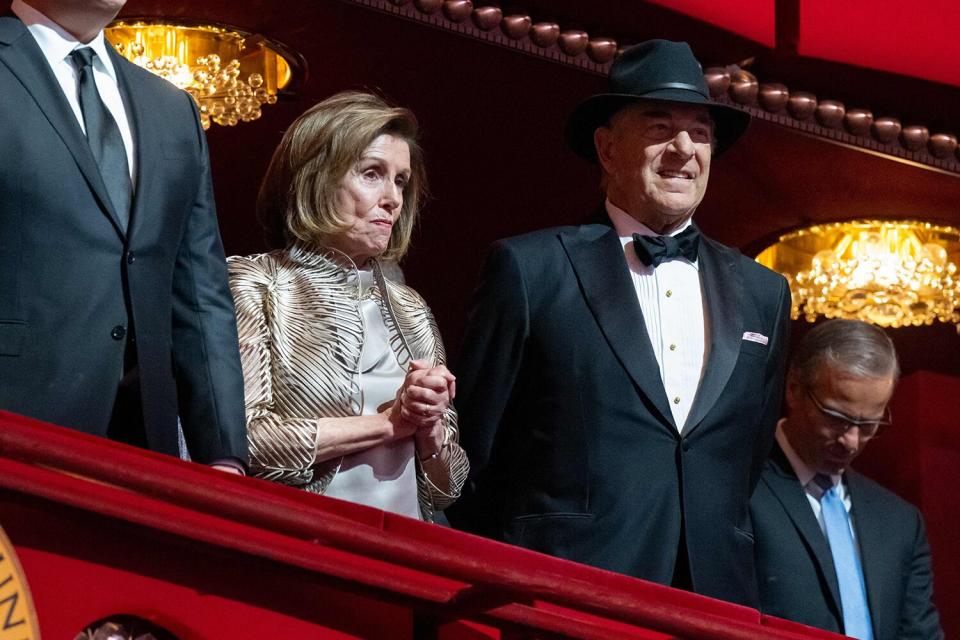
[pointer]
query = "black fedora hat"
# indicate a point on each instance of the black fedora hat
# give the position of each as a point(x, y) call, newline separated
point(653, 70)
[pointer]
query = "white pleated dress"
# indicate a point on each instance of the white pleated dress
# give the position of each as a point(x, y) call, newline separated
point(383, 476)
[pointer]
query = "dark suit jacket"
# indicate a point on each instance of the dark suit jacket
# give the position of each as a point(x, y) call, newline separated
point(572, 444)
point(69, 274)
point(795, 569)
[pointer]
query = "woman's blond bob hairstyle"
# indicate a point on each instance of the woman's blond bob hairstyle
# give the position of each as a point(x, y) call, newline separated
point(297, 200)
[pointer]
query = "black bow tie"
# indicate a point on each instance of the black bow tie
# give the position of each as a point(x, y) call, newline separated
point(652, 250)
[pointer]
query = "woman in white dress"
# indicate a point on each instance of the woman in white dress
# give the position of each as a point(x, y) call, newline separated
point(347, 392)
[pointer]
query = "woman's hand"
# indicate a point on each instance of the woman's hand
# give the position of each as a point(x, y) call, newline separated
point(426, 393)
point(429, 440)
point(398, 428)
point(422, 400)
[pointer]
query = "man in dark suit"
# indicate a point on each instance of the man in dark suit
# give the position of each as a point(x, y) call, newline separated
point(834, 549)
point(115, 314)
point(620, 381)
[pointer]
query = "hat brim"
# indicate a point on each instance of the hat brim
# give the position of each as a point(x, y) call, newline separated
point(597, 110)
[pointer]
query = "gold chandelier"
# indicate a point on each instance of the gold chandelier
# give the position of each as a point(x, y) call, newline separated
point(889, 273)
point(229, 73)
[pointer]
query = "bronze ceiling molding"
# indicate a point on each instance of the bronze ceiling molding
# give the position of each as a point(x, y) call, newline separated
point(831, 120)
point(514, 31)
point(773, 102)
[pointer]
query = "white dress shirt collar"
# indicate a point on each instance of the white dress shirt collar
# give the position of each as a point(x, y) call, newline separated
point(804, 472)
point(626, 225)
point(805, 475)
point(55, 42)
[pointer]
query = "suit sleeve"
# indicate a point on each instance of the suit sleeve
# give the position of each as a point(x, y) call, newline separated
point(918, 618)
point(204, 334)
point(489, 364)
point(773, 388)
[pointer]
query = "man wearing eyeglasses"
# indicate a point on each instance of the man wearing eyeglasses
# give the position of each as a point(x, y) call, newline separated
point(834, 549)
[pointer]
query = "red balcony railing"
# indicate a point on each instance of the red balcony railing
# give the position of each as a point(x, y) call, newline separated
point(102, 529)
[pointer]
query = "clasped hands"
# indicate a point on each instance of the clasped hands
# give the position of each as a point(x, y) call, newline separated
point(421, 401)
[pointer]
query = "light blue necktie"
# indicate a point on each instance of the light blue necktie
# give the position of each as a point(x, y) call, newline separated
point(853, 592)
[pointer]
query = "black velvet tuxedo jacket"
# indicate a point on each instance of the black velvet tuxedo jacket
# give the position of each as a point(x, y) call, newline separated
point(71, 276)
point(572, 444)
point(795, 570)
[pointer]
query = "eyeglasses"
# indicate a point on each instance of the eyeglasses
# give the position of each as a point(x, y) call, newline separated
point(841, 423)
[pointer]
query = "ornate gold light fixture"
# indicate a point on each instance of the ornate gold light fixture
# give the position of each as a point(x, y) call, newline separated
point(229, 73)
point(890, 273)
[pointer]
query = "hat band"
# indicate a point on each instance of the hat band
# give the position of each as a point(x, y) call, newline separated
point(678, 85)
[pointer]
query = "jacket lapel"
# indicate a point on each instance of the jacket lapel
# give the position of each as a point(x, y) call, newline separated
point(722, 285)
point(597, 258)
point(870, 528)
point(786, 487)
point(25, 60)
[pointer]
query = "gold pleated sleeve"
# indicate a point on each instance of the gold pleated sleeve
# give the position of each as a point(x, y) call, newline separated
point(282, 447)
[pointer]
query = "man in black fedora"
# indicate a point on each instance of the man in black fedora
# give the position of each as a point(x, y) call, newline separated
point(620, 382)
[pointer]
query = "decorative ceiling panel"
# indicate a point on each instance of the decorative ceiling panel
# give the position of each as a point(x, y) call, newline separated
point(753, 19)
point(916, 39)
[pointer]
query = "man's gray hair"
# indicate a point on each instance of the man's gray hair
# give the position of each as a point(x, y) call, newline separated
point(846, 346)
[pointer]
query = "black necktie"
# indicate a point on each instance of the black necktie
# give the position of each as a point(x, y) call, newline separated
point(103, 135)
point(652, 250)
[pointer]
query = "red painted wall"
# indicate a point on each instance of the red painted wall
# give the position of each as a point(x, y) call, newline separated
point(919, 458)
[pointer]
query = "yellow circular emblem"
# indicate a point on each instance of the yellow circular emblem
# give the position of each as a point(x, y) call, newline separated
point(18, 620)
